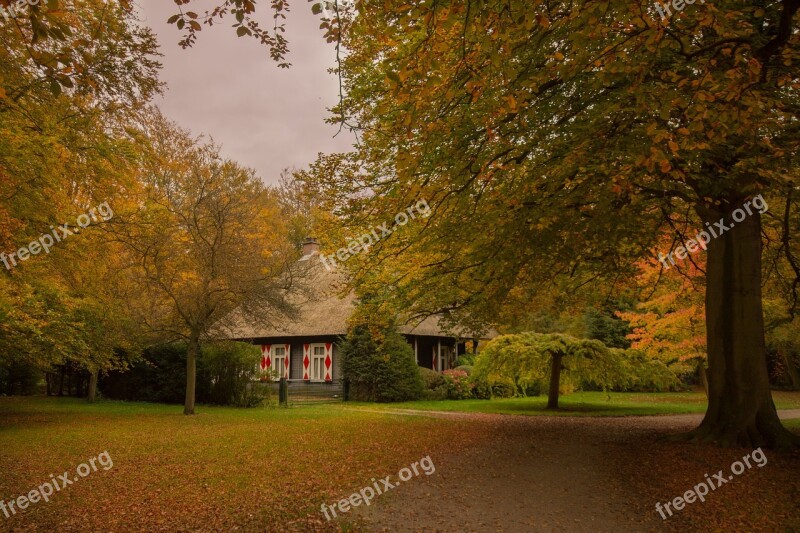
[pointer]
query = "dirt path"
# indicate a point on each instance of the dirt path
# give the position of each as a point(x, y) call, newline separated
point(535, 474)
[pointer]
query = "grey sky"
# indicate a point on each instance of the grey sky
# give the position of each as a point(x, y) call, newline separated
point(227, 87)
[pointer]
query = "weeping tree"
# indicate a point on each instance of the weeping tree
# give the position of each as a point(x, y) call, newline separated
point(529, 359)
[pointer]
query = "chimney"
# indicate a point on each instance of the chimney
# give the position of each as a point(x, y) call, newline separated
point(310, 246)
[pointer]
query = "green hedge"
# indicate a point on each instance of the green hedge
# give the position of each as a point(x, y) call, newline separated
point(225, 375)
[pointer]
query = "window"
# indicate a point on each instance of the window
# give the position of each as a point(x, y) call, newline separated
point(279, 360)
point(317, 363)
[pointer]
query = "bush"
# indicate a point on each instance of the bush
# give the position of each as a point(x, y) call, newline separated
point(535, 389)
point(380, 370)
point(465, 360)
point(503, 389)
point(457, 385)
point(430, 378)
point(481, 390)
point(158, 376)
point(465, 368)
point(18, 378)
point(439, 393)
point(225, 372)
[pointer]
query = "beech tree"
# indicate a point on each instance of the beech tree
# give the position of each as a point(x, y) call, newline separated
point(561, 139)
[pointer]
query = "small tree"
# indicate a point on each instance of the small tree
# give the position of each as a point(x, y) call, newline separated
point(379, 365)
point(530, 359)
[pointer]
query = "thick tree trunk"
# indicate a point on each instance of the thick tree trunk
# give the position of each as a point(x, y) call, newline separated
point(740, 407)
point(555, 382)
point(191, 373)
point(92, 394)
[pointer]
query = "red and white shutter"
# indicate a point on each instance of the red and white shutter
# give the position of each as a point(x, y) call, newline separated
point(306, 360)
point(286, 361)
point(328, 361)
point(266, 357)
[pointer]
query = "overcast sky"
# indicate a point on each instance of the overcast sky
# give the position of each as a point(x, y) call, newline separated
point(227, 87)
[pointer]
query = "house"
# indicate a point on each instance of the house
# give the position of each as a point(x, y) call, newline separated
point(306, 347)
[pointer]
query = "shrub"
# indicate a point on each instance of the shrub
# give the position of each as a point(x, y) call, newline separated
point(381, 370)
point(504, 389)
point(227, 372)
point(465, 368)
point(439, 393)
point(431, 379)
point(457, 385)
point(481, 390)
point(535, 389)
point(158, 376)
point(465, 360)
point(18, 378)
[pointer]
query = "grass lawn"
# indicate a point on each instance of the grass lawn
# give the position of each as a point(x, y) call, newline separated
point(586, 404)
point(259, 469)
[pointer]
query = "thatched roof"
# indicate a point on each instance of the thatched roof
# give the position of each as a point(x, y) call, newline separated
point(324, 307)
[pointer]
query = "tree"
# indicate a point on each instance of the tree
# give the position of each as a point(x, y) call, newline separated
point(669, 323)
point(607, 327)
point(377, 361)
point(82, 47)
point(67, 92)
point(528, 359)
point(205, 240)
point(562, 140)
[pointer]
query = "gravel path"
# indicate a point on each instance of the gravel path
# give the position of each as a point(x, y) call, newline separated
point(535, 473)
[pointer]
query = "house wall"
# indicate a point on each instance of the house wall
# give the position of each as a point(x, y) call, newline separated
point(296, 352)
point(426, 347)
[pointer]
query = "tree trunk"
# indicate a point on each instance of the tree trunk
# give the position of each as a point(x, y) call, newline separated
point(740, 407)
point(92, 394)
point(191, 373)
point(555, 382)
point(702, 373)
point(791, 369)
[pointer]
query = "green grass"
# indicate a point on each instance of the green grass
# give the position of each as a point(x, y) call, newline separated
point(793, 424)
point(258, 469)
point(224, 467)
point(586, 404)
